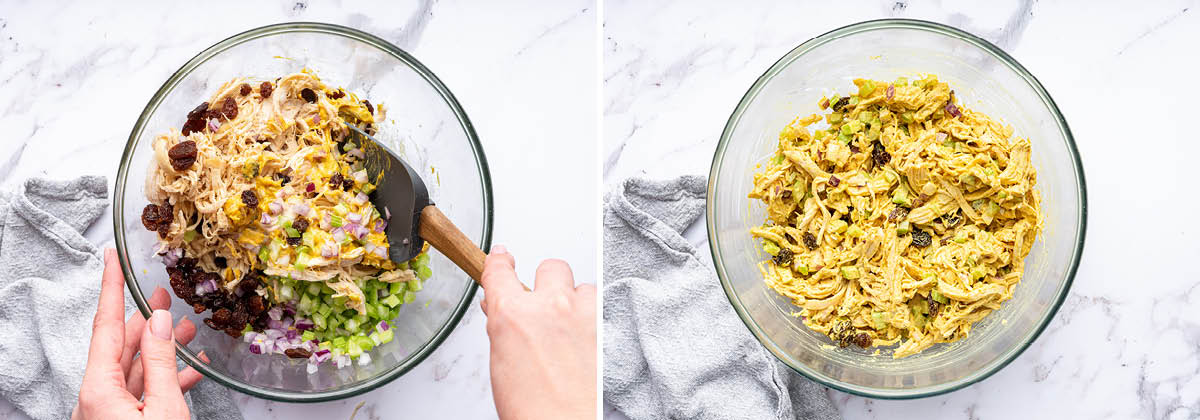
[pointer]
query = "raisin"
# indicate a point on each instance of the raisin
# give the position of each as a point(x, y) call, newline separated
point(199, 112)
point(810, 241)
point(842, 333)
point(297, 353)
point(783, 257)
point(335, 181)
point(283, 179)
point(921, 238)
point(222, 316)
point(881, 156)
point(347, 184)
point(837, 106)
point(308, 95)
point(246, 89)
point(854, 149)
point(209, 322)
point(898, 214)
point(150, 217)
point(300, 224)
point(249, 198)
point(229, 108)
point(336, 95)
point(862, 340)
point(293, 241)
point(265, 89)
point(182, 155)
point(233, 332)
point(934, 306)
point(199, 308)
point(834, 181)
point(256, 304)
point(370, 108)
point(193, 126)
point(786, 195)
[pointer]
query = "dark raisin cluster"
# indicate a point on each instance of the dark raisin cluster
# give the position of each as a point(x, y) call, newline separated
point(230, 313)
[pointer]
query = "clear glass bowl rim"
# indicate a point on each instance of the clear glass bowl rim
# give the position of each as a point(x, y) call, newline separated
point(277, 29)
point(797, 53)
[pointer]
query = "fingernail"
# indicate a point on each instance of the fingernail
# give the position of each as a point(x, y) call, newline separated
point(499, 249)
point(160, 324)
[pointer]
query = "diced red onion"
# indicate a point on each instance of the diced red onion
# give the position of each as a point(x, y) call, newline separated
point(358, 153)
point(361, 231)
point(172, 256)
point(387, 214)
point(362, 198)
point(200, 290)
point(354, 217)
point(287, 321)
point(383, 326)
point(275, 313)
point(303, 324)
point(329, 251)
point(952, 110)
point(273, 333)
point(310, 188)
point(369, 247)
point(326, 222)
point(275, 207)
point(214, 125)
point(291, 334)
point(255, 348)
point(381, 252)
point(339, 235)
point(288, 310)
point(891, 91)
point(364, 359)
point(360, 176)
point(940, 136)
point(239, 292)
point(380, 225)
point(301, 209)
point(249, 336)
point(274, 324)
point(317, 119)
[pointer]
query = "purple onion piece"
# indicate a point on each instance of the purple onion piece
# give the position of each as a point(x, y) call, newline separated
point(952, 110)
point(275, 313)
point(255, 348)
point(383, 326)
point(891, 91)
point(214, 125)
point(387, 214)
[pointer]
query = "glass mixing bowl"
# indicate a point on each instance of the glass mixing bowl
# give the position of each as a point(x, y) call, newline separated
point(985, 79)
point(425, 123)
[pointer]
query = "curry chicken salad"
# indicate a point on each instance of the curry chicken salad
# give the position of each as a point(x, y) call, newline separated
point(262, 211)
point(897, 216)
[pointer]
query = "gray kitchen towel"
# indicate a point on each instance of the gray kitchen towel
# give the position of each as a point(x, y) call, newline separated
point(673, 346)
point(49, 286)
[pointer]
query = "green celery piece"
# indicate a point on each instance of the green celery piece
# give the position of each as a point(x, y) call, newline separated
point(835, 117)
point(264, 253)
point(308, 336)
point(314, 289)
point(339, 342)
point(353, 349)
point(189, 236)
point(396, 287)
point(415, 285)
point(770, 247)
point(409, 296)
point(370, 310)
point(880, 322)
point(362, 319)
point(386, 336)
point(351, 325)
point(391, 301)
point(364, 342)
point(850, 272)
point(291, 232)
point(335, 221)
point(305, 304)
point(318, 320)
point(938, 297)
point(422, 259)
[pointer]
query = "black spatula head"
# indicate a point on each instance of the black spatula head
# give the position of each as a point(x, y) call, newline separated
point(399, 191)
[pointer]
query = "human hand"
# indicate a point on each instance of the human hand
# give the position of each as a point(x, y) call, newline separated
point(543, 341)
point(113, 384)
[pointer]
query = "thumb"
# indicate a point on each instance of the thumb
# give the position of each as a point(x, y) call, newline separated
point(164, 399)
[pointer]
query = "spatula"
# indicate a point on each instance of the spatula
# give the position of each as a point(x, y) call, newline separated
point(414, 219)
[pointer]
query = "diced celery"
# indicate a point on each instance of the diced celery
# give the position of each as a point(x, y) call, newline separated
point(351, 325)
point(838, 225)
point(803, 269)
point(855, 232)
point(396, 287)
point(364, 343)
point(777, 159)
point(422, 259)
point(901, 81)
point(850, 272)
point(880, 320)
point(324, 345)
point(339, 342)
point(409, 296)
point(371, 311)
point(978, 273)
point(386, 336)
point(770, 247)
point(903, 228)
point(937, 296)
point(866, 88)
point(391, 301)
point(362, 319)
point(341, 209)
point(834, 117)
point(314, 289)
point(291, 232)
point(900, 197)
point(866, 116)
point(286, 293)
point(845, 138)
point(353, 349)
point(305, 304)
point(318, 320)
point(960, 237)
point(854, 100)
point(339, 302)
point(906, 117)
point(415, 285)
point(189, 235)
point(335, 221)
point(308, 336)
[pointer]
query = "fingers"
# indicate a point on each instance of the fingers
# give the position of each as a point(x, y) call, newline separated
point(190, 377)
point(163, 397)
point(554, 274)
point(133, 328)
point(499, 277)
point(185, 331)
point(108, 328)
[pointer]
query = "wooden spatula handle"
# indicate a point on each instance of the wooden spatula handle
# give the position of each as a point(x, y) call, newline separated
point(436, 229)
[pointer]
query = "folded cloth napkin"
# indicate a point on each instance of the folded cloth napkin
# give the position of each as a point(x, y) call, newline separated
point(673, 346)
point(49, 286)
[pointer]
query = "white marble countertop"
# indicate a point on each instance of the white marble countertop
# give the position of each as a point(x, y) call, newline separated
point(1126, 344)
point(74, 78)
